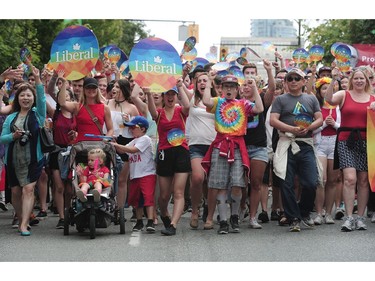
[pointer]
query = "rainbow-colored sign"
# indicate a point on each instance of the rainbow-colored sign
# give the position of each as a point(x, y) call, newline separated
point(268, 46)
point(344, 66)
point(75, 50)
point(191, 55)
point(342, 53)
point(25, 55)
point(189, 44)
point(114, 54)
point(316, 53)
point(176, 137)
point(371, 147)
point(300, 55)
point(156, 64)
point(303, 120)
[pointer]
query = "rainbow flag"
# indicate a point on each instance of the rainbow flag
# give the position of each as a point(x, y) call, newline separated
point(371, 147)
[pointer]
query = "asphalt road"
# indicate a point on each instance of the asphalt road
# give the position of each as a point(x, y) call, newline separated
point(273, 243)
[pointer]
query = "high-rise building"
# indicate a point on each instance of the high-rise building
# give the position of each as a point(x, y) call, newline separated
point(273, 28)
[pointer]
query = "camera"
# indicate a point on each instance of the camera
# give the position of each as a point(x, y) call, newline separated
point(25, 138)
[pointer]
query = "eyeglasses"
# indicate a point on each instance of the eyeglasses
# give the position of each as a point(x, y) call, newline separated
point(229, 86)
point(295, 78)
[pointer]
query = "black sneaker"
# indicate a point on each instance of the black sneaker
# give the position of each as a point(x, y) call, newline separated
point(263, 216)
point(224, 228)
point(150, 227)
point(169, 231)
point(234, 223)
point(33, 220)
point(134, 216)
point(3, 206)
point(41, 215)
point(275, 215)
point(166, 221)
point(60, 224)
point(138, 226)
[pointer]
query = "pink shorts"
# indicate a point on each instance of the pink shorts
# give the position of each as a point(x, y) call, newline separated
point(142, 186)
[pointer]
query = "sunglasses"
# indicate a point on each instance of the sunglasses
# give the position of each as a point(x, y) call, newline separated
point(295, 78)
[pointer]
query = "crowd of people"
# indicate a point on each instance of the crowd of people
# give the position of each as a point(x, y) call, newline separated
point(211, 142)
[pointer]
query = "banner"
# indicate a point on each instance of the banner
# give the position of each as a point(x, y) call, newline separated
point(366, 54)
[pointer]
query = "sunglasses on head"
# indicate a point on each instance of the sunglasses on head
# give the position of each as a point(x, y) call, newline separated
point(295, 78)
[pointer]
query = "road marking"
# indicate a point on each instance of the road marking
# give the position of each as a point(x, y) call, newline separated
point(135, 239)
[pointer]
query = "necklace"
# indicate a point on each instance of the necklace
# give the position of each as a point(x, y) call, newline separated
point(118, 103)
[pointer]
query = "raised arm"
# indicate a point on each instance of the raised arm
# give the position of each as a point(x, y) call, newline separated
point(258, 107)
point(151, 105)
point(141, 106)
point(206, 99)
point(182, 97)
point(331, 97)
point(268, 97)
point(67, 105)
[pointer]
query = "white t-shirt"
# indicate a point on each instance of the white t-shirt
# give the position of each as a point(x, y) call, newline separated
point(141, 163)
point(201, 124)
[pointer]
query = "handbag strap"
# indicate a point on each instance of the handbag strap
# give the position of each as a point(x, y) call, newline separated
point(94, 118)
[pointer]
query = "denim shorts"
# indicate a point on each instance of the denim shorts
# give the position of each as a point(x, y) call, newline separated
point(326, 146)
point(198, 150)
point(257, 153)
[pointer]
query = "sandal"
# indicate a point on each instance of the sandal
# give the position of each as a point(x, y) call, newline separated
point(283, 221)
point(194, 223)
point(208, 225)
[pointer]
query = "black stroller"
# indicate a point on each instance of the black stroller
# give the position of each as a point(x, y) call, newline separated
point(91, 215)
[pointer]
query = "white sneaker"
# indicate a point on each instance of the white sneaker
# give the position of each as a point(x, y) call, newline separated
point(373, 218)
point(360, 223)
point(318, 220)
point(329, 219)
point(253, 223)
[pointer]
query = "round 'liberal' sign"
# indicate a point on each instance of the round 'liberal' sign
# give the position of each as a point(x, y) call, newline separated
point(75, 50)
point(155, 63)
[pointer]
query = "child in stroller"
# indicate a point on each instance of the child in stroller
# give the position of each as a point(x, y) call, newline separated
point(94, 205)
point(95, 176)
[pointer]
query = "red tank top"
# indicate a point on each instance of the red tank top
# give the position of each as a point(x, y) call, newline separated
point(353, 115)
point(85, 124)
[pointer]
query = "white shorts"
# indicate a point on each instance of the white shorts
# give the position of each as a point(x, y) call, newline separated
point(326, 147)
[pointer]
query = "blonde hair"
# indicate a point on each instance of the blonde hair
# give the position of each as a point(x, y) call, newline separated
point(99, 153)
point(97, 98)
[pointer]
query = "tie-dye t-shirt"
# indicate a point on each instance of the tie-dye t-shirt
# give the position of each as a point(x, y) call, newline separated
point(231, 115)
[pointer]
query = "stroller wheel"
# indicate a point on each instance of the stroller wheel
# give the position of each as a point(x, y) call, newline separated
point(92, 226)
point(122, 221)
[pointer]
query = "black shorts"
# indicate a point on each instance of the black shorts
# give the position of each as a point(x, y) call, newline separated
point(173, 160)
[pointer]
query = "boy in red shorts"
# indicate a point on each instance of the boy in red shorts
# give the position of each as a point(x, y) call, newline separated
point(142, 170)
